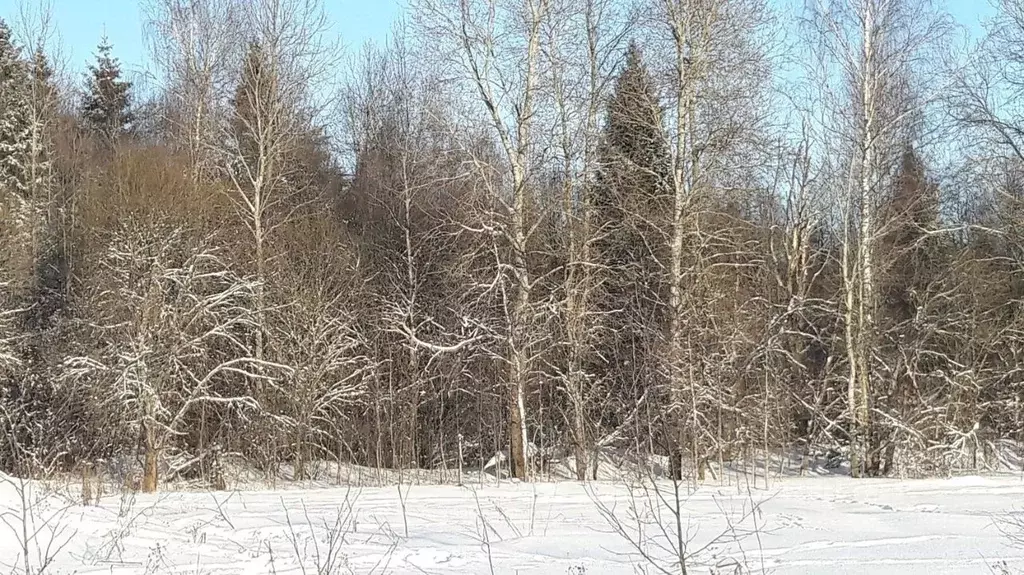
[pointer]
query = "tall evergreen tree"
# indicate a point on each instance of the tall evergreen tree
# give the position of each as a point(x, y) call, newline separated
point(633, 153)
point(43, 103)
point(919, 305)
point(106, 106)
point(631, 208)
point(630, 198)
point(49, 255)
point(15, 117)
point(910, 212)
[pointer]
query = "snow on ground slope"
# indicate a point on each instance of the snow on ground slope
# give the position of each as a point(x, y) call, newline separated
point(805, 525)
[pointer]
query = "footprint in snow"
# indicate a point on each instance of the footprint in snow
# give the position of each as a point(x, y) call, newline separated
point(427, 557)
point(788, 520)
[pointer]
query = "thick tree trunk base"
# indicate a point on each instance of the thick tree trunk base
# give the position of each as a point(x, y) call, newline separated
point(675, 465)
point(581, 463)
point(518, 456)
point(517, 448)
point(150, 472)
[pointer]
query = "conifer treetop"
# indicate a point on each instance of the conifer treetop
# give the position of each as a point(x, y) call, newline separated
point(15, 115)
point(106, 106)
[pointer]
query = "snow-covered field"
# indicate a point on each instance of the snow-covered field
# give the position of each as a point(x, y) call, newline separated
point(804, 525)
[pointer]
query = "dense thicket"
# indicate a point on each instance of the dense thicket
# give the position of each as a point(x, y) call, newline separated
point(559, 230)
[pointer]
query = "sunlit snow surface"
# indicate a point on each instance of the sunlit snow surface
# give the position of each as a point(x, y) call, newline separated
point(805, 525)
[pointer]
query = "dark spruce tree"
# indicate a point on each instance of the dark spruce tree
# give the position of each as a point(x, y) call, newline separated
point(106, 105)
point(15, 118)
point(632, 210)
point(918, 305)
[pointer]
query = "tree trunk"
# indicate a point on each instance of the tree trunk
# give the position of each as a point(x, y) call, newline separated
point(409, 419)
point(685, 176)
point(260, 303)
point(408, 450)
point(300, 454)
point(409, 426)
point(580, 442)
point(150, 469)
point(860, 395)
point(675, 463)
point(517, 421)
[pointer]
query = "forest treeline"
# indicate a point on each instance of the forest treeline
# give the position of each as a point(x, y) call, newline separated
point(697, 229)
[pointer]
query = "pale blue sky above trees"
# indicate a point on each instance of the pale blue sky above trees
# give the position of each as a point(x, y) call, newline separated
point(81, 24)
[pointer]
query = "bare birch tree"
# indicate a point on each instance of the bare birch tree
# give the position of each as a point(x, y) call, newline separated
point(195, 44)
point(717, 58)
point(874, 47)
point(497, 46)
point(281, 70)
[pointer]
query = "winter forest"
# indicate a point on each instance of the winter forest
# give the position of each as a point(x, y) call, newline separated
point(561, 230)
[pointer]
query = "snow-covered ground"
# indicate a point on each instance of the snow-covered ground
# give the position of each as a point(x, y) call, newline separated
point(825, 524)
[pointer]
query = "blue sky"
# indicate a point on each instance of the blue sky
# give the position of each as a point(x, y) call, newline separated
point(970, 13)
point(81, 23)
